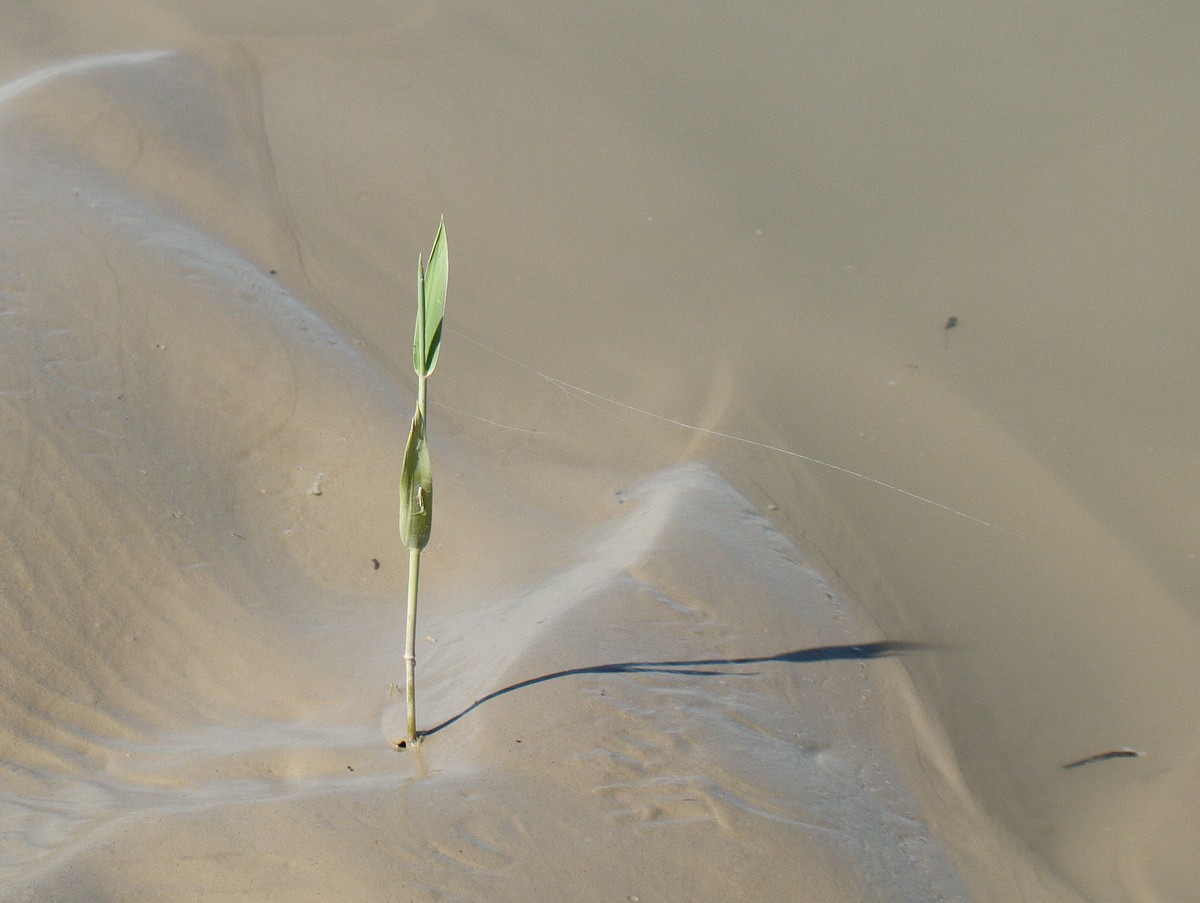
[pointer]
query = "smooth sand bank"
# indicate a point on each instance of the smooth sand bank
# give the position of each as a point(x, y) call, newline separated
point(209, 226)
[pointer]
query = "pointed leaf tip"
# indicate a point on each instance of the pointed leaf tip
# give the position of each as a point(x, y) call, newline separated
point(435, 277)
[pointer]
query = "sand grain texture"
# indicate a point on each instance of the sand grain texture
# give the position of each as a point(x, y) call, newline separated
point(667, 652)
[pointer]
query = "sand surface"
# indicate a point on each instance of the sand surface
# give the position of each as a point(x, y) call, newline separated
point(755, 576)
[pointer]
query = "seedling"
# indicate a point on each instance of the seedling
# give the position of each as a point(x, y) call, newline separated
point(416, 478)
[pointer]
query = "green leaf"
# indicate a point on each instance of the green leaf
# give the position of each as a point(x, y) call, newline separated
point(419, 333)
point(431, 305)
point(416, 488)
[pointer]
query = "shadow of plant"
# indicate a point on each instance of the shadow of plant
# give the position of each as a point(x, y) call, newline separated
point(705, 667)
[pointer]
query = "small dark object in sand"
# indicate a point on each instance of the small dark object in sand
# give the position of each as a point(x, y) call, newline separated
point(1125, 753)
point(952, 322)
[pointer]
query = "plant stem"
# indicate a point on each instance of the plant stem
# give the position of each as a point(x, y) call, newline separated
point(410, 643)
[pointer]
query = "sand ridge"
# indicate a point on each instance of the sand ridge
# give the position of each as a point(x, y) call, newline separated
point(185, 661)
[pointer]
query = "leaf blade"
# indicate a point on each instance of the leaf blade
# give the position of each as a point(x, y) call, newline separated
point(416, 488)
point(419, 331)
point(434, 279)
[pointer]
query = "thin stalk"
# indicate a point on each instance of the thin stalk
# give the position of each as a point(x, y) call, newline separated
point(414, 576)
point(410, 643)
